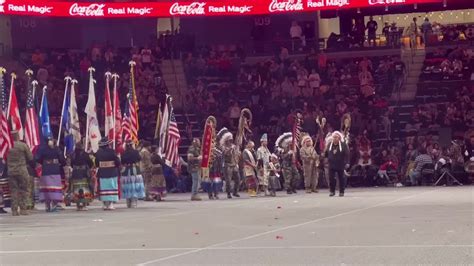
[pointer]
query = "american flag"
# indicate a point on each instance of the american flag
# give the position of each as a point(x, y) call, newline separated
point(130, 119)
point(6, 141)
point(172, 145)
point(32, 136)
point(296, 131)
point(127, 135)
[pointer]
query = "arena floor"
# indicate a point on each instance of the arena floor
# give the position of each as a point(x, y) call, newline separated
point(369, 226)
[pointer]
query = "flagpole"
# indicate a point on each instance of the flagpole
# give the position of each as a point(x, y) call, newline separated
point(42, 98)
point(91, 80)
point(10, 96)
point(67, 79)
point(157, 127)
point(34, 83)
point(115, 77)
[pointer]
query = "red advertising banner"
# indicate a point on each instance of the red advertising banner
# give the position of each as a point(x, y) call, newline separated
point(186, 8)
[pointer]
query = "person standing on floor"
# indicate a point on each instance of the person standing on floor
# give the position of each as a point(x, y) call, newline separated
point(131, 181)
point(337, 153)
point(51, 187)
point(288, 157)
point(19, 157)
point(80, 183)
point(263, 158)
point(109, 163)
point(274, 175)
point(231, 155)
point(250, 165)
point(146, 169)
point(194, 167)
point(4, 188)
point(310, 159)
point(157, 185)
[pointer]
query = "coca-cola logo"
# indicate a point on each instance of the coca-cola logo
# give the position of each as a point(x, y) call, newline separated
point(385, 2)
point(286, 5)
point(92, 10)
point(195, 8)
point(2, 9)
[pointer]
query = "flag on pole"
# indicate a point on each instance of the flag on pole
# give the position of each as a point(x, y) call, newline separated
point(32, 134)
point(6, 141)
point(158, 123)
point(108, 112)
point(44, 116)
point(127, 135)
point(73, 115)
point(134, 101)
point(66, 123)
point(172, 145)
point(164, 126)
point(93, 132)
point(14, 110)
point(117, 118)
point(131, 116)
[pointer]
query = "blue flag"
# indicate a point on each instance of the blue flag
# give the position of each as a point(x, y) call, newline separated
point(66, 124)
point(44, 117)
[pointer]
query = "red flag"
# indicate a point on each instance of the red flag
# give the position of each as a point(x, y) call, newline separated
point(109, 123)
point(14, 111)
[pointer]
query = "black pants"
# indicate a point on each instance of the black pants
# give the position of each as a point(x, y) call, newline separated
point(332, 180)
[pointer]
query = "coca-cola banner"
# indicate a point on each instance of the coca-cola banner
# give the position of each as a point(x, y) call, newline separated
point(172, 8)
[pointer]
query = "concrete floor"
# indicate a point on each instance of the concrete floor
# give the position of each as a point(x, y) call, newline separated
point(382, 226)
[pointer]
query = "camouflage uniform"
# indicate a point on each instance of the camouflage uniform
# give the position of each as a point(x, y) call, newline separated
point(311, 172)
point(290, 173)
point(231, 169)
point(145, 169)
point(17, 162)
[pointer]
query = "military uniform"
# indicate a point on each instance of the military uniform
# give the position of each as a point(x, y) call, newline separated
point(194, 168)
point(145, 169)
point(5, 195)
point(17, 163)
point(310, 167)
point(157, 185)
point(231, 170)
point(290, 172)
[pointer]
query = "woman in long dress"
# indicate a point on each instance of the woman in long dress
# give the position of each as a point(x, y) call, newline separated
point(51, 188)
point(131, 181)
point(81, 179)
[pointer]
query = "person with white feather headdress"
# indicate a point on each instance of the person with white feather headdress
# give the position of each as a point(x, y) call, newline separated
point(310, 159)
point(290, 172)
point(337, 153)
point(231, 155)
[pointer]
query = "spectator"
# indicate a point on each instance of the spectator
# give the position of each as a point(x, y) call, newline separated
point(234, 114)
point(426, 29)
point(371, 30)
point(420, 161)
point(296, 34)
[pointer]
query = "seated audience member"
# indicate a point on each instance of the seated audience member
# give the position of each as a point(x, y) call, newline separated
point(420, 161)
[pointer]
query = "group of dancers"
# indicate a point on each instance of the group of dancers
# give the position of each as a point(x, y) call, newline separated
point(224, 158)
point(137, 172)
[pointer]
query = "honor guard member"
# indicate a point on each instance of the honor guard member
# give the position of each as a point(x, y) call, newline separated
point(231, 155)
point(19, 157)
point(310, 164)
point(290, 172)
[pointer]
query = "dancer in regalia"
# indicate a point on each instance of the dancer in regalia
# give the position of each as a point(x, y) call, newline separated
point(157, 185)
point(80, 183)
point(250, 166)
point(263, 159)
point(288, 156)
point(108, 162)
point(131, 180)
point(51, 187)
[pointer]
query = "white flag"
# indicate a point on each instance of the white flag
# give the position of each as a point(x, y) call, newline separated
point(74, 116)
point(93, 132)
